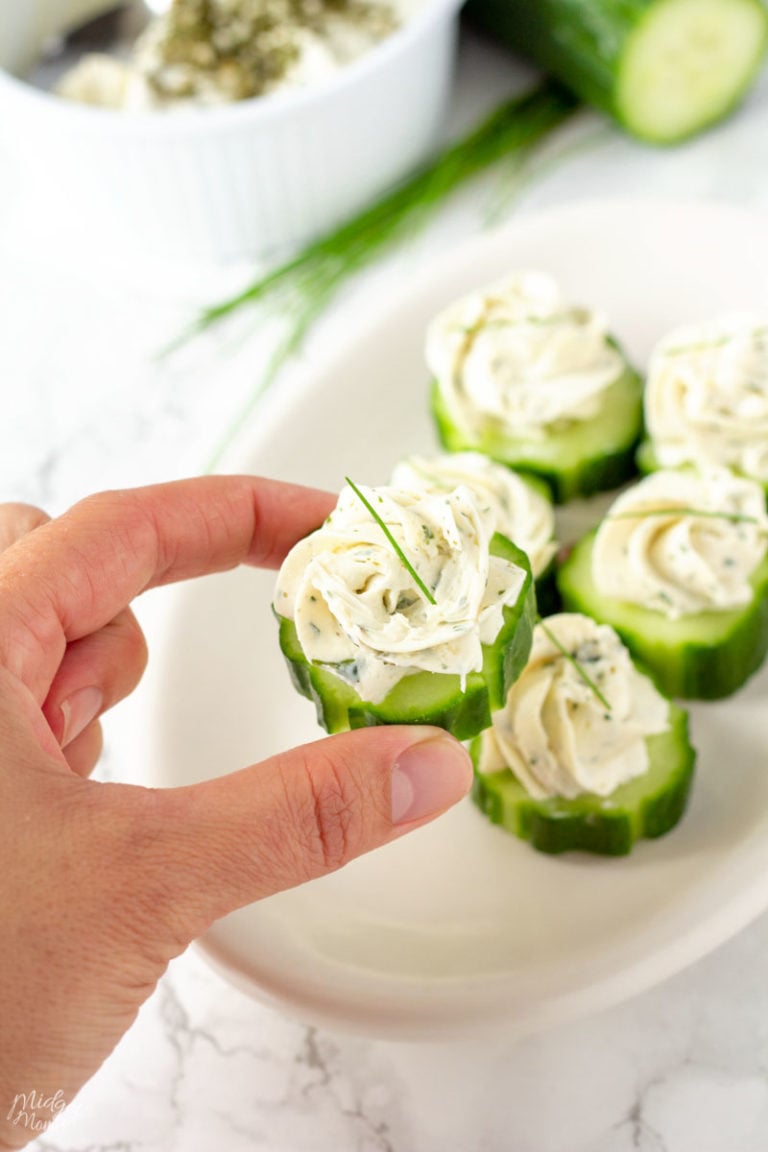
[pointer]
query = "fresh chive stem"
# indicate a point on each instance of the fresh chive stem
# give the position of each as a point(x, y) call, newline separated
point(515, 127)
point(576, 664)
point(401, 555)
point(301, 289)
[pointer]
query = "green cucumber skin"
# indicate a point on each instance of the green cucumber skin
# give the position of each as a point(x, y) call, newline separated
point(578, 41)
point(547, 595)
point(610, 826)
point(426, 697)
point(705, 657)
point(607, 463)
point(646, 458)
point(582, 43)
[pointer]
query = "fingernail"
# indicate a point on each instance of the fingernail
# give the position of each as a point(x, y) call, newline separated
point(429, 777)
point(78, 711)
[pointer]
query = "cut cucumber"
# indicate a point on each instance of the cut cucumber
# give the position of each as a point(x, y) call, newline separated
point(580, 458)
point(547, 595)
point(646, 459)
point(664, 69)
point(702, 657)
point(647, 806)
point(426, 697)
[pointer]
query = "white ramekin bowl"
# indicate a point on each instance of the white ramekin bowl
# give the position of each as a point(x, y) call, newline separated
point(226, 182)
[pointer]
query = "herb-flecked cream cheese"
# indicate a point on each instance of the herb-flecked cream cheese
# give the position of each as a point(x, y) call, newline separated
point(516, 356)
point(707, 396)
point(682, 542)
point(357, 607)
point(523, 514)
point(578, 717)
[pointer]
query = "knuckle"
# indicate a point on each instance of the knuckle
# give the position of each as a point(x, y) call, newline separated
point(133, 642)
point(17, 520)
point(329, 818)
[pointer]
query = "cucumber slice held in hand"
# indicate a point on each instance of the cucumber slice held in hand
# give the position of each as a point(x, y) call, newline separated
point(461, 705)
point(646, 807)
point(665, 69)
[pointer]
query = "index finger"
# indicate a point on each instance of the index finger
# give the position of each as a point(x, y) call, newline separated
point(72, 576)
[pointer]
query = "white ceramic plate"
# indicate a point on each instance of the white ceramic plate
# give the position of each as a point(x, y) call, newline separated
point(459, 927)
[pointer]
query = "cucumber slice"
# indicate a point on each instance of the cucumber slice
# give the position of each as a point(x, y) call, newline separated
point(702, 657)
point(687, 64)
point(648, 806)
point(582, 457)
point(426, 697)
point(664, 69)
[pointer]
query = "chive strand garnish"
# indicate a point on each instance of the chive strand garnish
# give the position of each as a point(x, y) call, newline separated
point(400, 554)
point(576, 664)
point(707, 513)
point(713, 345)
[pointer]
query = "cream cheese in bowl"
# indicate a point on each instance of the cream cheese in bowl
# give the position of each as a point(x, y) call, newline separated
point(232, 179)
point(208, 52)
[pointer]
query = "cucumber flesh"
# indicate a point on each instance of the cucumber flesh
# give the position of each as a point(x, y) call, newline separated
point(646, 807)
point(580, 458)
point(687, 64)
point(665, 69)
point(703, 657)
point(426, 697)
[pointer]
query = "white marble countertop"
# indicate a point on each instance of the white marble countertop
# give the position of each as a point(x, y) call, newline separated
point(682, 1068)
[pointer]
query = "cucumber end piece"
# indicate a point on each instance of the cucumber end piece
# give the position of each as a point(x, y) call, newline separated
point(687, 64)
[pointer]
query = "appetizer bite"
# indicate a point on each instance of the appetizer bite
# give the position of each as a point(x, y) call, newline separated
point(706, 400)
point(678, 567)
point(521, 505)
point(406, 608)
point(586, 753)
point(536, 383)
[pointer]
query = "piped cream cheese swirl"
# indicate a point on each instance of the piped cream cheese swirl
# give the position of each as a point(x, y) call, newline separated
point(523, 513)
point(682, 542)
point(707, 396)
point(555, 732)
point(358, 609)
point(517, 355)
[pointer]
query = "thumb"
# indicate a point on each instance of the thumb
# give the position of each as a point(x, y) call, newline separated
point(300, 815)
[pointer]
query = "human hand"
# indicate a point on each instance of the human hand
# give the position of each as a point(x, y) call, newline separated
point(104, 883)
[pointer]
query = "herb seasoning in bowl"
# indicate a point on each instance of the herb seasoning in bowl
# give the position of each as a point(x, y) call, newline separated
point(219, 51)
point(273, 138)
